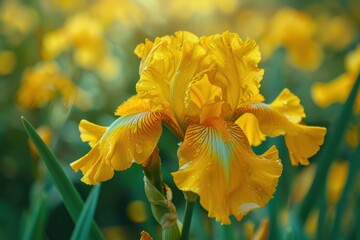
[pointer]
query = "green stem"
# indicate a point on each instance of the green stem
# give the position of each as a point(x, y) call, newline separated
point(328, 153)
point(189, 207)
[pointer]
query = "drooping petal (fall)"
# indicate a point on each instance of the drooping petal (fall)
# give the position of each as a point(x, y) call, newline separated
point(128, 139)
point(217, 163)
point(302, 141)
point(90, 132)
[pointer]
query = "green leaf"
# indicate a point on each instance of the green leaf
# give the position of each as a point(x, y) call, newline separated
point(71, 197)
point(328, 153)
point(36, 221)
point(82, 227)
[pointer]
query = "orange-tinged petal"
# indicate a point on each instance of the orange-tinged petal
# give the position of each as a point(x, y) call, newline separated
point(301, 141)
point(128, 139)
point(289, 105)
point(90, 132)
point(217, 163)
point(237, 61)
point(250, 126)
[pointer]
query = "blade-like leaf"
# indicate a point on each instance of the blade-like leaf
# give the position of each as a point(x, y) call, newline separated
point(36, 221)
point(71, 197)
point(82, 226)
point(328, 152)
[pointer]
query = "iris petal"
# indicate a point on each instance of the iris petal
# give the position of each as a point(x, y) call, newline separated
point(237, 61)
point(90, 132)
point(301, 141)
point(289, 105)
point(217, 163)
point(250, 126)
point(128, 139)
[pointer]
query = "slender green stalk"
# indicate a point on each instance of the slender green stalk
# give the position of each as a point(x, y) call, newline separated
point(328, 153)
point(189, 207)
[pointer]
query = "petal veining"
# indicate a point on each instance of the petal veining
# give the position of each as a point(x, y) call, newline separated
point(302, 141)
point(237, 61)
point(217, 163)
point(128, 139)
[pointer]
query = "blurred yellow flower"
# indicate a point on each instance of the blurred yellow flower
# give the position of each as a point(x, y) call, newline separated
point(16, 20)
point(136, 211)
point(302, 183)
point(336, 179)
point(250, 22)
point(184, 9)
point(293, 30)
point(335, 31)
point(45, 82)
point(85, 35)
point(42, 84)
point(126, 12)
point(199, 87)
point(68, 5)
point(352, 136)
point(7, 62)
point(325, 94)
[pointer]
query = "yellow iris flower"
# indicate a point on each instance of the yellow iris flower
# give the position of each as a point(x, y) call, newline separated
point(206, 90)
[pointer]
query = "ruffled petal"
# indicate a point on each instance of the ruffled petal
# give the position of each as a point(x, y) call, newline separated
point(128, 139)
point(90, 132)
point(217, 163)
point(237, 61)
point(301, 141)
point(168, 58)
point(289, 105)
point(195, 64)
